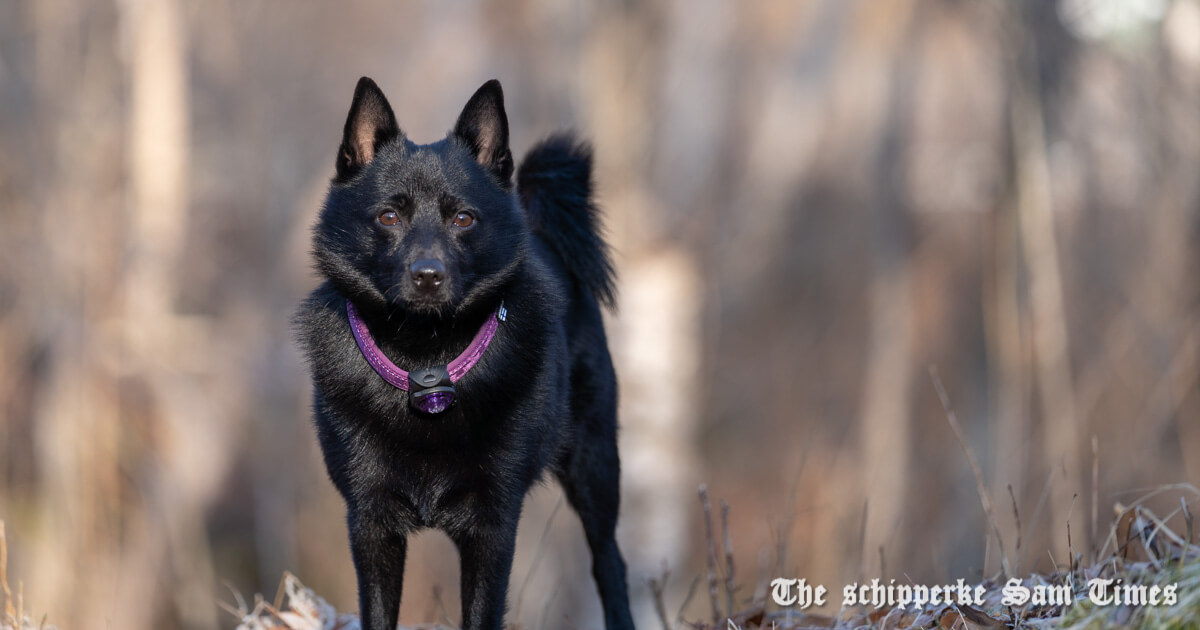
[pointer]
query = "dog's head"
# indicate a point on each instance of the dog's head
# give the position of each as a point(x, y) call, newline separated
point(423, 229)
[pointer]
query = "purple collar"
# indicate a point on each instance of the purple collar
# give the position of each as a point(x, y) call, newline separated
point(431, 389)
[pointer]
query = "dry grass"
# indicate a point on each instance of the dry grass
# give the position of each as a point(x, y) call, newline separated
point(14, 616)
point(1140, 550)
point(297, 607)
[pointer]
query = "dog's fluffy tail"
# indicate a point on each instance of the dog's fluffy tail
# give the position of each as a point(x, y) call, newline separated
point(555, 187)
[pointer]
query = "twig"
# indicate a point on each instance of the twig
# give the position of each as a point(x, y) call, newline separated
point(712, 553)
point(237, 595)
point(727, 542)
point(785, 529)
point(275, 612)
point(657, 588)
point(239, 614)
point(8, 607)
point(687, 599)
point(862, 541)
point(242, 608)
point(279, 591)
point(1187, 518)
point(1037, 510)
point(1095, 492)
point(979, 487)
point(1070, 547)
point(1017, 516)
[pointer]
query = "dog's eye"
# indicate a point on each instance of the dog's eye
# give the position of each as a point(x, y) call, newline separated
point(389, 217)
point(464, 219)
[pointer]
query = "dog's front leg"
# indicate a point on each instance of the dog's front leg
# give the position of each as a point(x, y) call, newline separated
point(487, 555)
point(378, 551)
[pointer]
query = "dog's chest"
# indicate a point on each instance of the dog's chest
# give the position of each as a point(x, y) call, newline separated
point(435, 491)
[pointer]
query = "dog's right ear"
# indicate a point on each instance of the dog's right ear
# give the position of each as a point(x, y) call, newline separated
point(369, 125)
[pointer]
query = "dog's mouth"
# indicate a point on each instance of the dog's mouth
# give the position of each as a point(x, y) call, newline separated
point(439, 304)
point(426, 305)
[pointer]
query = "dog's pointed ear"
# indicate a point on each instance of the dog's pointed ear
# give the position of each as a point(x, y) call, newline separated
point(483, 128)
point(369, 125)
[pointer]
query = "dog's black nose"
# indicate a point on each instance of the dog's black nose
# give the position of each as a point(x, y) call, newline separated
point(428, 274)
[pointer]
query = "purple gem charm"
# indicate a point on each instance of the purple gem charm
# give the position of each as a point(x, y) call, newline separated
point(431, 390)
point(433, 401)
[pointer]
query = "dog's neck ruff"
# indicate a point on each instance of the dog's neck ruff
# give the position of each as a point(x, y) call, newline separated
point(431, 389)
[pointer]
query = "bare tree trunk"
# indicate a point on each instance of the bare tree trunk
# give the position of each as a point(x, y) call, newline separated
point(158, 127)
point(886, 421)
point(156, 337)
point(75, 420)
point(655, 334)
point(1169, 288)
point(1010, 425)
point(1061, 446)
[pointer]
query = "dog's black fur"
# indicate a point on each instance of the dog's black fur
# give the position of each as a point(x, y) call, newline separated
point(543, 396)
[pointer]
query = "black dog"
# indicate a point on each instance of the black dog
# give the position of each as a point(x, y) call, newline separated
point(490, 299)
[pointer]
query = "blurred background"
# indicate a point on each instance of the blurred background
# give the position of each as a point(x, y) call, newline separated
point(812, 204)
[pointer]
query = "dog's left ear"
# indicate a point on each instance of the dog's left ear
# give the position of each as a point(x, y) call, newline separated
point(483, 128)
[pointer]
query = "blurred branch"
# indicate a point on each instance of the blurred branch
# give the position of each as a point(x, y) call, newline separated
point(980, 486)
point(887, 395)
point(1035, 220)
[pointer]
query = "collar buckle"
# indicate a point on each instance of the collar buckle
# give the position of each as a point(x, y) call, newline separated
point(430, 389)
